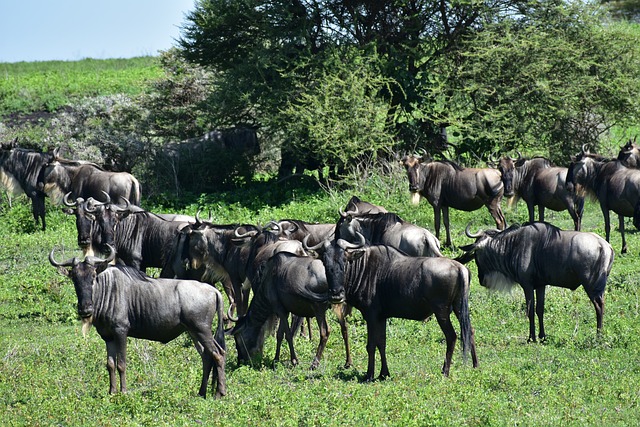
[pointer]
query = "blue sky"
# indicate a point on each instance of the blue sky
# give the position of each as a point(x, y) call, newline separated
point(42, 30)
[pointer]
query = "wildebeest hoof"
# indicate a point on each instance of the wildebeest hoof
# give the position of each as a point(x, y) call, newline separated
point(531, 339)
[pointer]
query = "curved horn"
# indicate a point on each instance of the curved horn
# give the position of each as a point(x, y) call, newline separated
point(348, 245)
point(67, 202)
point(231, 316)
point(68, 263)
point(93, 260)
point(310, 248)
point(275, 226)
point(585, 148)
point(108, 198)
point(246, 234)
point(467, 232)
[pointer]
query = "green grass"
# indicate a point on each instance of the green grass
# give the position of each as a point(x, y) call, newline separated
point(27, 87)
point(51, 375)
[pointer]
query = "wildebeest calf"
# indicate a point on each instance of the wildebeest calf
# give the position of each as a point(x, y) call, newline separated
point(122, 302)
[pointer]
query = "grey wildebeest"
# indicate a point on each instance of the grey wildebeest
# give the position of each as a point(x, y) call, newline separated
point(615, 186)
point(86, 179)
point(19, 171)
point(541, 184)
point(629, 154)
point(388, 229)
point(290, 290)
point(539, 254)
point(361, 207)
point(382, 282)
point(212, 247)
point(121, 302)
point(447, 185)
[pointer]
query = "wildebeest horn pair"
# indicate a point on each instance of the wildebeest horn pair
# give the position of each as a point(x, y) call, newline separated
point(92, 260)
point(340, 242)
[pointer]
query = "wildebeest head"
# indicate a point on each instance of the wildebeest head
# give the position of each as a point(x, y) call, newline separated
point(629, 154)
point(83, 274)
point(580, 173)
point(53, 179)
point(507, 167)
point(416, 177)
point(85, 220)
point(334, 255)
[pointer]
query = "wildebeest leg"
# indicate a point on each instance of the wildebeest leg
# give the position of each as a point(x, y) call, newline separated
point(324, 335)
point(436, 220)
point(540, 310)
point(284, 325)
point(598, 304)
point(111, 365)
point(496, 213)
point(621, 226)
point(445, 219)
point(540, 213)
point(279, 337)
point(450, 336)
point(121, 353)
point(607, 222)
point(531, 208)
point(375, 329)
point(341, 311)
point(531, 304)
point(204, 343)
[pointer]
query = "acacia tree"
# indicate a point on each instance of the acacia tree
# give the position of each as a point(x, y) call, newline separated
point(501, 73)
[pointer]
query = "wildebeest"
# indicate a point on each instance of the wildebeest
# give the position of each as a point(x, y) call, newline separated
point(295, 229)
point(540, 184)
point(358, 206)
point(122, 302)
point(629, 154)
point(212, 246)
point(446, 184)
point(616, 187)
point(290, 284)
point(86, 179)
point(539, 254)
point(19, 171)
point(382, 282)
point(388, 229)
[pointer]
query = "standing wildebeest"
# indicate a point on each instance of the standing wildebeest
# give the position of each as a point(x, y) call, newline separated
point(616, 187)
point(445, 184)
point(295, 229)
point(540, 184)
point(629, 154)
point(388, 229)
point(19, 171)
point(361, 207)
point(539, 254)
point(122, 302)
point(85, 179)
point(382, 282)
point(212, 247)
point(290, 284)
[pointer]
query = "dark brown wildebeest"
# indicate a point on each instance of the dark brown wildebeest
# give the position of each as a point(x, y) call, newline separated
point(86, 179)
point(539, 254)
point(629, 154)
point(19, 171)
point(357, 206)
point(122, 302)
point(290, 284)
point(540, 184)
point(616, 187)
point(447, 185)
point(382, 282)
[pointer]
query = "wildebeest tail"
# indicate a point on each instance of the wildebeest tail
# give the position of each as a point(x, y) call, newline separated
point(219, 335)
point(466, 330)
point(136, 191)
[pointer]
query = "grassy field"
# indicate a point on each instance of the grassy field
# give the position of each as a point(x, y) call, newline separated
point(28, 87)
point(51, 375)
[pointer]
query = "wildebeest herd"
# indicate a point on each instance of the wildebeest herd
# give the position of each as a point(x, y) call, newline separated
point(290, 269)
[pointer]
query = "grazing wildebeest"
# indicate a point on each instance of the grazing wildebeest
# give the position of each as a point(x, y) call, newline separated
point(445, 184)
point(629, 154)
point(616, 187)
point(212, 246)
point(85, 179)
point(388, 229)
point(382, 282)
point(290, 284)
point(539, 254)
point(122, 302)
point(540, 184)
point(19, 171)
point(358, 206)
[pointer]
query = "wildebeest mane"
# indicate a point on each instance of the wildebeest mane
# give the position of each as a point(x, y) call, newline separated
point(377, 224)
point(108, 275)
point(69, 162)
point(362, 274)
